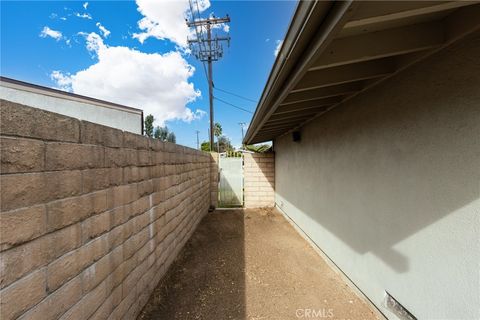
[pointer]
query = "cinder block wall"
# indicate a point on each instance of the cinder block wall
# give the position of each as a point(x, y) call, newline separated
point(91, 217)
point(259, 179)
point(214, 176)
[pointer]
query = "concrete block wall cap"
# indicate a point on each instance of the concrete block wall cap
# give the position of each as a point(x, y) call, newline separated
point(135, 141)
point(23, 121)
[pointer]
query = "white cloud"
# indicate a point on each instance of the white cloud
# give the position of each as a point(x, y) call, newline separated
point(85, 5)
point(83, 15)
point(223, 26)
point(156, 83)
point(278, 47)
point(104, 30)
point(63, 81)
point(166, 20)
point(197, 115)
point(47, 32)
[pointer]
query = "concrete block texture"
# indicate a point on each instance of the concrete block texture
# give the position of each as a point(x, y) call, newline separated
point(91, 217)
point(22, 121)
point(259, 180)
point(214, 177)
point(22, 155)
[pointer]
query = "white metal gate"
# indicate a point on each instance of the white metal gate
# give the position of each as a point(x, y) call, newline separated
point(230, 187)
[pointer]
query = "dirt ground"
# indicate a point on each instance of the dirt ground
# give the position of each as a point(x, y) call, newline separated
point(251, 264)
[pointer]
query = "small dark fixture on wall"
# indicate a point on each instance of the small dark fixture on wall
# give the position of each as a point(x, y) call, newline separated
point(394, 306)
point(296, 136)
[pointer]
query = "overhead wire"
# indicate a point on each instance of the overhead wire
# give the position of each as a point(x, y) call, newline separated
point(235, 95)
point(232, 105)
point(201, 43)
point(205, 47)
point(199, 36)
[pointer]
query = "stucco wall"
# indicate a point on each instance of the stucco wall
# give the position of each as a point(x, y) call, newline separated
point(108, 116)
point(388, 186)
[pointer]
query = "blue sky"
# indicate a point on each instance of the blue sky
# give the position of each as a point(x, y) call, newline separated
point(61, 44)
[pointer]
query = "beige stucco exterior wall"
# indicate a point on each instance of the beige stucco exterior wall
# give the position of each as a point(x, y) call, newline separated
point(388, 186)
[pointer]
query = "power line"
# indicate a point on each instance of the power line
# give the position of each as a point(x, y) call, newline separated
point(232, 105)
point(234, 94)
point(205, 70)
point(199, 35)
point(207, 49)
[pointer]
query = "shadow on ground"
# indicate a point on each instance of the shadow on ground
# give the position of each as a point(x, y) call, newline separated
point(251, 264)
point(207, 280)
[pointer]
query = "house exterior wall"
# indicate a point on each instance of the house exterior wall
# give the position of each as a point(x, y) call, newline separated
point(122, 119)
point(91, 217)
point(259, 180)
point(388, 186)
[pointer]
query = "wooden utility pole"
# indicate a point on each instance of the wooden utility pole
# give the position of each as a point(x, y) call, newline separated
point(242, 125)
point(207, 49)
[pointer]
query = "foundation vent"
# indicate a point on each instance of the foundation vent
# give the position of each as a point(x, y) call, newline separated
point(396, 307)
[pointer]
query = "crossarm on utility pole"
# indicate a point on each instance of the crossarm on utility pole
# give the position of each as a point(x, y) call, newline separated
point(211, 21)
point(211, 51)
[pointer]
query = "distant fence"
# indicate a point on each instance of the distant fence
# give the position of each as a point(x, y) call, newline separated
point(231, 154)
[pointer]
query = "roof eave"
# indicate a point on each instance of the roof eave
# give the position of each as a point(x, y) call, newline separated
point(297, 43)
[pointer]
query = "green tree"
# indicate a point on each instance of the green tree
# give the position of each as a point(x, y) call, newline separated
point(205, 146)
point(161, 133)
point(156, 132)
point(224, 144)
point(258, 147)
point(148, 124)
point(164, 134)
point(217, 132)
point(171, 137)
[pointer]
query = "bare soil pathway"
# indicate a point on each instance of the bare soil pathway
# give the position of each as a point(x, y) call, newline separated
point(251, 264)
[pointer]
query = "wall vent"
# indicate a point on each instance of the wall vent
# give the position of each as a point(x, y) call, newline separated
point(296, 136)
point(394, 306)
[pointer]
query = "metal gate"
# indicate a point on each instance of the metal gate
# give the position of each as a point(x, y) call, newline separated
point(230, 186)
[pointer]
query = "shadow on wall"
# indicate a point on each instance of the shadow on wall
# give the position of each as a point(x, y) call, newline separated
point(207, 281)
point(214, 177)
point(230, 184)
point(390, 162)
point(228, 195)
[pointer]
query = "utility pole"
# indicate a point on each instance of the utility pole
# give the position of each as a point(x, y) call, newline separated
point(242, 125)
point(198, 142)
point(207, 49)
